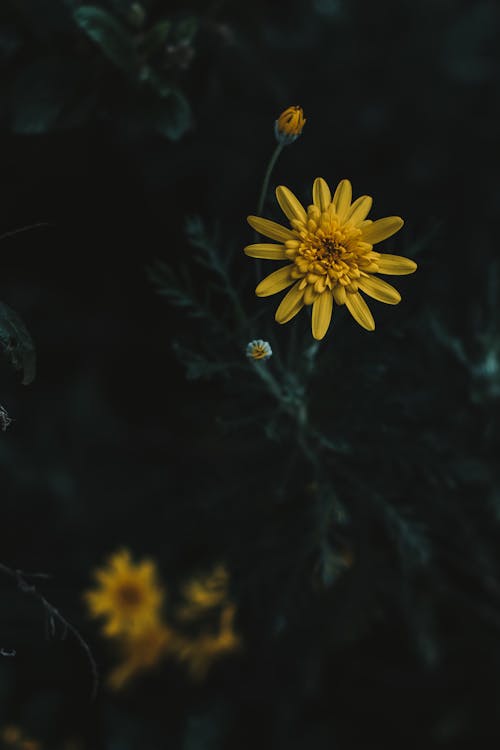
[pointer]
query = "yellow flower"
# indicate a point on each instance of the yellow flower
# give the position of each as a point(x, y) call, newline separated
point(11, 735)
point(14, 739)
point(200, 653)
point(330, 249)
point(203, 594)
point(289, 124)
point(128, 597)
point(141, 652)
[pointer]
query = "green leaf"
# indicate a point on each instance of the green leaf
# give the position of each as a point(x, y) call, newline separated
point(17, 343)
point(155, 37)
point(113, 38)
point(161, 85)
point(172, 116)
point(185, 30)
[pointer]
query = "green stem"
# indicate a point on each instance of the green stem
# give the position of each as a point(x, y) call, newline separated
point(267, 177)
point(310, 442)
point(265, 185)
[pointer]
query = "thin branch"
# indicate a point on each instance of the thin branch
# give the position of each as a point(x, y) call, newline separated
point(52, 616)
point(25, 229)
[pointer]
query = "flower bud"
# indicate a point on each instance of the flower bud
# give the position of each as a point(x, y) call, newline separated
point(289, 124)
point(258, 349)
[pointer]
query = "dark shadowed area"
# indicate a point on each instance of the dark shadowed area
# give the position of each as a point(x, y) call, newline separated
point(361, 541)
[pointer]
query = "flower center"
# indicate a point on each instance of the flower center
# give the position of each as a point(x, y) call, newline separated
point(330, 250)
point(327, 253)
point(129, 595)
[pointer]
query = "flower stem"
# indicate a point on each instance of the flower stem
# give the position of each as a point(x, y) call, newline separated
point(267, 176)
point(262, 197)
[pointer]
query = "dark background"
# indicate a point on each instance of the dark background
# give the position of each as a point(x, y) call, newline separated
point(112, 445)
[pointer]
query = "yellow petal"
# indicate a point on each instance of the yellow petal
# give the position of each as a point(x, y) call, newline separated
point(271, 229)
point(339, 294)
point(359, 310)
point(268, 251)
point(309, 295)
point(379, 289)
point(359, 209)
point(396, 265)
point(322, 315)
point(290, 305)
point(342, 198)
point(275, 282)
point(322, 196)
point(291, 207)
point(382, 229)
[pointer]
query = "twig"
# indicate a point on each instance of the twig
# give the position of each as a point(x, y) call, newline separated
point(25, 229)
point(53, 615)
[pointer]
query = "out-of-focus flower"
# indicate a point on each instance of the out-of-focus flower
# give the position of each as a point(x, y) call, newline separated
point(130, 599)
point(203, 594)
point(142, 652)
point(13, 738)
point(128, 596)
point(288, 127)
point(330, 249)
point(198, 654)
point(258, 349)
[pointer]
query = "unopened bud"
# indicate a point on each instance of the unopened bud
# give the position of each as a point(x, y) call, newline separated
point(258, 349)
point(289, 124)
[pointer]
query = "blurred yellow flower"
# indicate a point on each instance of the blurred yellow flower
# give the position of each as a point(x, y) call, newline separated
point(128, 596)
point(330, 249)
point(203, 594)
point(201, 652)
point(129, 599)
point(13, 738)
point(141, 652)
point(289, 125)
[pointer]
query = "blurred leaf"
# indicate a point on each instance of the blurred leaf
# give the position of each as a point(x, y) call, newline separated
point(161, 86)
point(37, 97)
point(172, 116)
point(155, 37)
point(113, 38)
point(197, 366)
point(186, 29)
point(131, 12)
point(43, 91)
point(17, 343)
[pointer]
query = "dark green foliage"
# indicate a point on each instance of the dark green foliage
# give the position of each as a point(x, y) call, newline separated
point(40, 94)
point(110, 36)
point(67, 88)
point(171, 116)
point(17, 343)
point(351, 487)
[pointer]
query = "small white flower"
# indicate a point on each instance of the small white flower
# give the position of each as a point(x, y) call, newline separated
point(258, 349)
